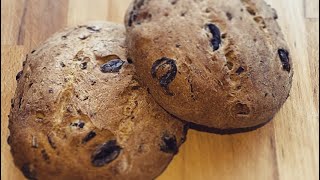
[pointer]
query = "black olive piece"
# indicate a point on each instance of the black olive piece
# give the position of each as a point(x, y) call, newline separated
point(169, 144)
point(216, 37)
point(112, 66)
point(62, 64)
point(240, 70)
point(93, 83)
point(18, 76)
point(81, 124)
point(28, 172)
point(133, 17)
point(84, 65)
point(33, 51)
point(129, 60)
point(167, 78)
point(50, 90)
point(135, 11)
point(229, 16)
point(88, 137)
point(284, 57)
point(105, 153)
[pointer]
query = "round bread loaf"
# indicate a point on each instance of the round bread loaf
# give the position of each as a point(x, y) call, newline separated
point(222, 64)
point(78, 112)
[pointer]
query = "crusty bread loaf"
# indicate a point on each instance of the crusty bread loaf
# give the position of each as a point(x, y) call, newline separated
point(218, 63)
point(78, 112)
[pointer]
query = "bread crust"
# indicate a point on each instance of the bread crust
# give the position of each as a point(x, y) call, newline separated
point(69, 120)
point(233, 67)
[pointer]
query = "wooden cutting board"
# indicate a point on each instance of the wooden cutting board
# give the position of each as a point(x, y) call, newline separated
point(286, 149)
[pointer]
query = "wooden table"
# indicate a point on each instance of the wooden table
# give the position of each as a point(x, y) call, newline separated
point(287, 148)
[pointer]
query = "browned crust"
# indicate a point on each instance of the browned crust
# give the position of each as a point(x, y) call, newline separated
point(66, 112)
point(242, 83)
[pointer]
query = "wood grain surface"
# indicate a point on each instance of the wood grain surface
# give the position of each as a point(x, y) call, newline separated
point(285, 149)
